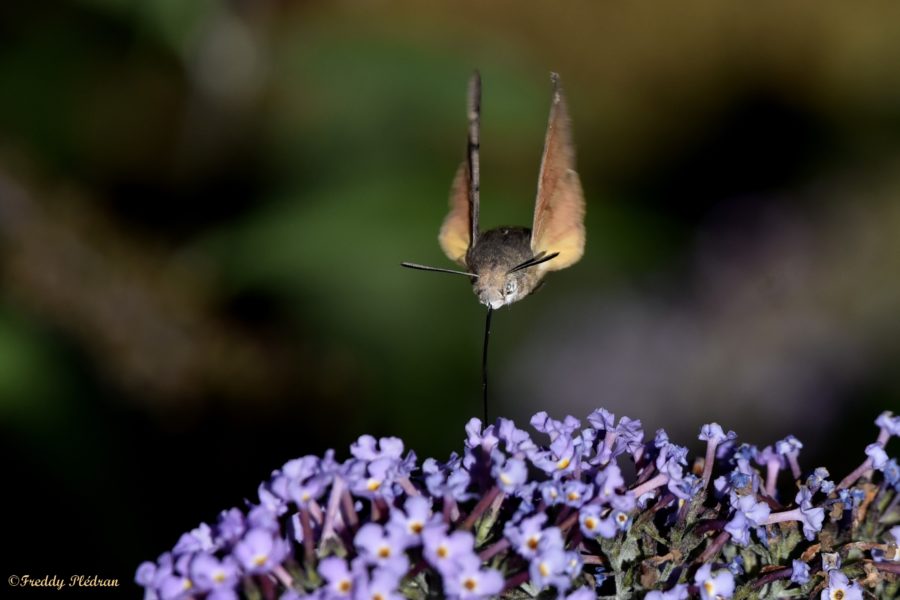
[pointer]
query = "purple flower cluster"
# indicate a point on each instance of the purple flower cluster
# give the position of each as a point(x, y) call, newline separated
point(554, 516)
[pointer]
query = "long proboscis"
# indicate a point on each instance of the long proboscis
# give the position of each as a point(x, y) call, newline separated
point(484, 359)
point(534, 260)
point(410, 265)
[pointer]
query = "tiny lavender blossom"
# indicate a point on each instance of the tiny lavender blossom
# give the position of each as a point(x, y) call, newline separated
point(841, 588)
point(714, 585)
point(553, 515)
point(799, 572)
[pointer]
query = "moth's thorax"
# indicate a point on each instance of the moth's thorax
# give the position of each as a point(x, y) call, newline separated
point(491, 258)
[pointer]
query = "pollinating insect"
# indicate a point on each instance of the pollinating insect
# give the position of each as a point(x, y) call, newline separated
point(507, 264)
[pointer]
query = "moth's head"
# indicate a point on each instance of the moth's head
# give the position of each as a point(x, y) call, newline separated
point(496, 287)
point(502, 282)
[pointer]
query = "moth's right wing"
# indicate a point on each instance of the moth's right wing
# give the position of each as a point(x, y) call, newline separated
point(456, 231)
point(459, 232)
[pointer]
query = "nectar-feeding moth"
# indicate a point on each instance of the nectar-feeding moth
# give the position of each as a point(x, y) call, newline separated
point(507, 264)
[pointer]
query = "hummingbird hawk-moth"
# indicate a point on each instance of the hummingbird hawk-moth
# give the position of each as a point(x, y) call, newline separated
point(507, 264)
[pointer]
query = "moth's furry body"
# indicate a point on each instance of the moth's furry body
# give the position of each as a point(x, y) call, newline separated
point(497, 252)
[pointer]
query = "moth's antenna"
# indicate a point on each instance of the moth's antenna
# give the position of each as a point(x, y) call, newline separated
point(484, 355)
point(474, 145)
point(410, 265)
point(534, 260)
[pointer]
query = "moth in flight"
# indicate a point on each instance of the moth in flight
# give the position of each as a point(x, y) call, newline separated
point(507, 264)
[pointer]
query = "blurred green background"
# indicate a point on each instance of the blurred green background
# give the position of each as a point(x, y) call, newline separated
point(203, 208)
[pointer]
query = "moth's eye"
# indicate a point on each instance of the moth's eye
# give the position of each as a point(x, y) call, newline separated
point(511, 287)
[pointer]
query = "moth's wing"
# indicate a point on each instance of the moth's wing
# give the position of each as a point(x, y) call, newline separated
point(559, 209)
point(460, 228)
point(456, 231)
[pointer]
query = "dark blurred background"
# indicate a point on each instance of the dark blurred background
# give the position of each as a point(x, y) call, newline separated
point(203, 207)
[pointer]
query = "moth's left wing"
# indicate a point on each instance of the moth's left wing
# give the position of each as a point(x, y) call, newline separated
point(559, 208)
